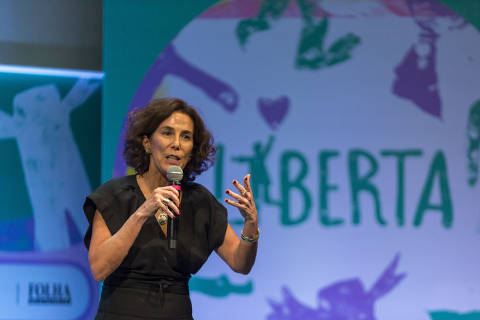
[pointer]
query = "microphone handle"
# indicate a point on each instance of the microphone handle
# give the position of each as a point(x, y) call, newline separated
point(172, 233)
point(172, 227)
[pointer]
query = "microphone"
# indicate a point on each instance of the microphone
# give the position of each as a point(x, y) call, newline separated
point(174, 177)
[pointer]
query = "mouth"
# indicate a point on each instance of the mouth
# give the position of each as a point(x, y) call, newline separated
point(172, 157)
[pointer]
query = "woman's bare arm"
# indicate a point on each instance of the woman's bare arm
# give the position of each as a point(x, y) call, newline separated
point(237, 253)
point(107, 251)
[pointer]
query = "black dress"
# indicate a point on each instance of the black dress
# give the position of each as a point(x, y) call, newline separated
point(152, 281)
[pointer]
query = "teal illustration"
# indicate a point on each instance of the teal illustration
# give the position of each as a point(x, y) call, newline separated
point(257, 167)
point(270, 10)
point(450, 315)
point(312, 51)
point(219, 287)
point(473, 136)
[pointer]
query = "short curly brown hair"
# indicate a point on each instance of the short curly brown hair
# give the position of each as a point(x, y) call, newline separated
point(144, 121)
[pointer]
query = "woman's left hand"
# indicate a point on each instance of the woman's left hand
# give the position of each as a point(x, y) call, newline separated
point(244, 200)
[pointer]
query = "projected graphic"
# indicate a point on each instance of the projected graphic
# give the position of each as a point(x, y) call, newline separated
point(311, 52)
point(342, 300)
point(273, 111)
point(170, 63)
point(473, 134)
point(451, 315)
point(358, 123)
point(40, 125)
point(220, 286)
point(43, 263)
point(417, 78)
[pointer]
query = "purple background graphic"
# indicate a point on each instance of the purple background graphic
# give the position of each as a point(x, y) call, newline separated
point(340, 301)
point(170, 63)
point(17, 234)
point(419, 84)
point(273, 111)
point(416, 76)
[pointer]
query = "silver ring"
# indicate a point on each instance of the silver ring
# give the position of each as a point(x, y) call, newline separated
point(244, 193)
point(166, 201)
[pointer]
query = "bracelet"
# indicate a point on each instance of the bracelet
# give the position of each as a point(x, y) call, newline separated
point(248, 239)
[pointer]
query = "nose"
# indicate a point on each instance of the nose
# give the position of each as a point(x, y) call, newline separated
point(176, 142)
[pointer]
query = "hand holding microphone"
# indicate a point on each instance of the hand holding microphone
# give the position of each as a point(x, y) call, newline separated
point(174, 177)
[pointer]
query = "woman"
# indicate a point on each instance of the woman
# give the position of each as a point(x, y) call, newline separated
point(143, 279)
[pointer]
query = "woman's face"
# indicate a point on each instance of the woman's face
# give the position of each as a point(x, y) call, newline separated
point(171, 144)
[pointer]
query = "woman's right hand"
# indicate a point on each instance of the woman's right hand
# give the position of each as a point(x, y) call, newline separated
point(107, 251)
point(164, 198)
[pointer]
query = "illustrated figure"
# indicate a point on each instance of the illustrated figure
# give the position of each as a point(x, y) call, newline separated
point(50, 158)
point(256, 163)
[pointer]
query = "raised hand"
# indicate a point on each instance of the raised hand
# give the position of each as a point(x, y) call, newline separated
point(243, 199)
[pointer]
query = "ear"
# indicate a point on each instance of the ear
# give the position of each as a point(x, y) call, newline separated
point(146, 144)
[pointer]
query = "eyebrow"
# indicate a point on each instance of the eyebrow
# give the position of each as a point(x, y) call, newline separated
point(171, 128)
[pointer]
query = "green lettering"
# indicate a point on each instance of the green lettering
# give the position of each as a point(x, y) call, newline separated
point(360, 183)
point(438, 171)
point(286, 184)
point(401, 156)
point(218, 168)
point(325, 188)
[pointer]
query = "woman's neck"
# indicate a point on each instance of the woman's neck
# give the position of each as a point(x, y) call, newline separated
point(154, 179)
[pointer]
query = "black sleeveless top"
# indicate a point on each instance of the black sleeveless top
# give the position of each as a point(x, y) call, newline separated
point(201, 229)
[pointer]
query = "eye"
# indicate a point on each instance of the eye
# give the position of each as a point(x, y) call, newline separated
point(187, 136)
point(166, 132)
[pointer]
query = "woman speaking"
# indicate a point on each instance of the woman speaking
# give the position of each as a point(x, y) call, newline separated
point(128, 217)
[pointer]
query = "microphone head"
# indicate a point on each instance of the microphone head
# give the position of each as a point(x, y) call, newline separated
point(174, 175)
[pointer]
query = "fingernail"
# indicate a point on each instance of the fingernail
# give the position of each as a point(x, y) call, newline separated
point(228, 192)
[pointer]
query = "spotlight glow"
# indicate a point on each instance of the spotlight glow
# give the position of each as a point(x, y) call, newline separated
point(51, 71)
